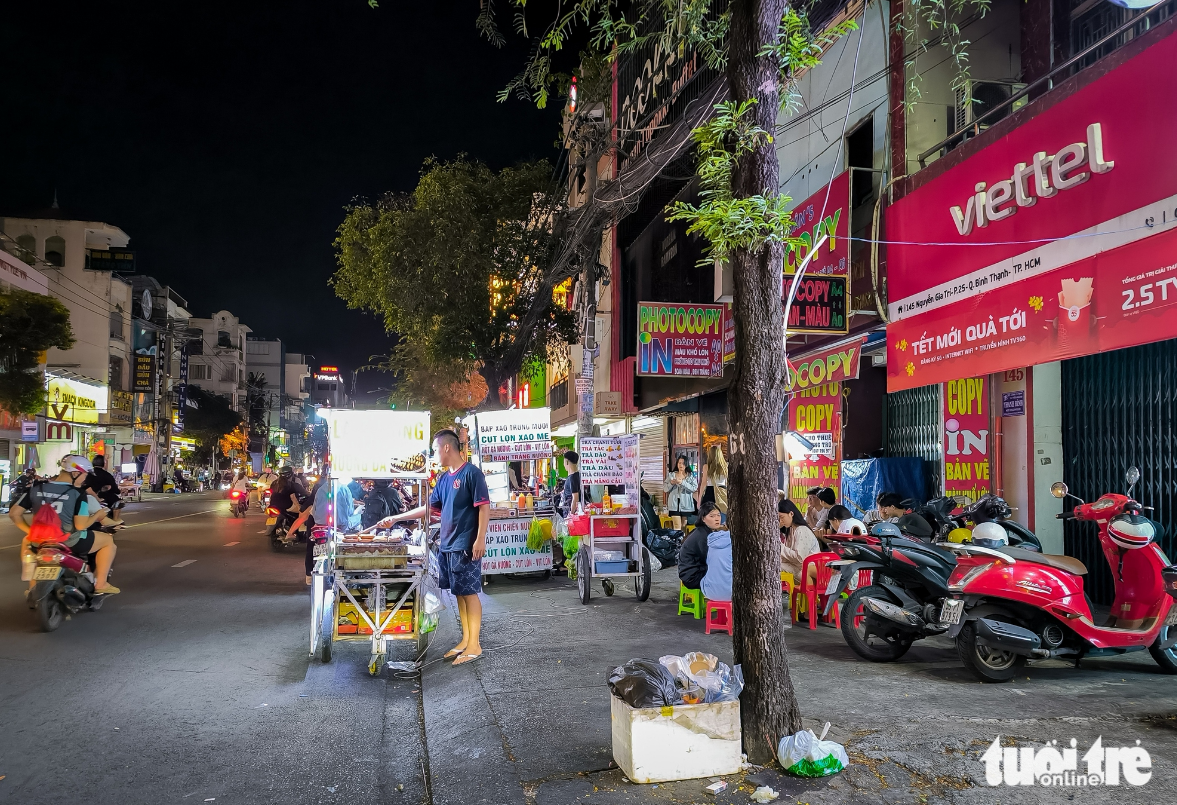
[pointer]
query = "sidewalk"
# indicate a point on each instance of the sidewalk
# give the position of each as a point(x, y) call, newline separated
point(529, 722)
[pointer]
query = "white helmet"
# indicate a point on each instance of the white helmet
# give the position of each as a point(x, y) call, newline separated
point(852, 526)
point(990, 535)
point(1131, 531)
point(76, 463)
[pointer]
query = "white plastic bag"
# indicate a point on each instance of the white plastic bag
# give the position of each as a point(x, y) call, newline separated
point(434, 603)
point(806, 755)
point(655, 565)
point(698, 669)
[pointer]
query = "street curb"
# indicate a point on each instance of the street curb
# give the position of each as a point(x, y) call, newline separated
point(468, 760)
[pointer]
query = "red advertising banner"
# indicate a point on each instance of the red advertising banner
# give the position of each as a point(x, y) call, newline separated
point(831, 365)
point(680, 340)
point(833, 259)
point(966, 437)
point(1054, 241)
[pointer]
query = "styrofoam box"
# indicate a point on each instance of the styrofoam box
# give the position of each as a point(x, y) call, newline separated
point(660, 744)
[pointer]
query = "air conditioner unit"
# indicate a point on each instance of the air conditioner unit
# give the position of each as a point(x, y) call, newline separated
point(985, 95)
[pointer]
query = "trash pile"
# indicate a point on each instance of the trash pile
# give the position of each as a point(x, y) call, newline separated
point(694, 678)
point(807, 755)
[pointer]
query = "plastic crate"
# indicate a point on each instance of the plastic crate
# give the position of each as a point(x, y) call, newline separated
point(613, 567)
point(612, 527)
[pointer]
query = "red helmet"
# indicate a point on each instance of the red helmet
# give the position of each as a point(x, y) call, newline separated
point(1131, 531)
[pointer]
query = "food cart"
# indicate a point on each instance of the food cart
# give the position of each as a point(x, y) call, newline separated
point(130, 482)
point(496, 439)
point(612, 548)
point(369, 587)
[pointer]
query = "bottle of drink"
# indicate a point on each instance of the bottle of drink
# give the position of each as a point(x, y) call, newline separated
point(606, 503)
point(530, 501)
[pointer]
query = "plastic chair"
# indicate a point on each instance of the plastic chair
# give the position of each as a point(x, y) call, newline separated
point(788, 586)
point(690, 601)
point(722, 624)
point(813, 593)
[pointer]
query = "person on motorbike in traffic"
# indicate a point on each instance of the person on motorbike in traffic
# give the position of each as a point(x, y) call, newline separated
point(264, 482)
point(102, 483)
point(66, 495)
point(241, 484)
point(286, 493)
point(21, 484)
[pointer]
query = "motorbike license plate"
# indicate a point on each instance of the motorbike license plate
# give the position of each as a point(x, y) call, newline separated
point(47, 573)
point(271, 520)
point(951, 611)
point(320, 550)
point(832, 587)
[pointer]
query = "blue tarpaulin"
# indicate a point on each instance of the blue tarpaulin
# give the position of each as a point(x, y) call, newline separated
point(863, 480)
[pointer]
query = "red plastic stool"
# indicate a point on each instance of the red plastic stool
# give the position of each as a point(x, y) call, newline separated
point(721, 624)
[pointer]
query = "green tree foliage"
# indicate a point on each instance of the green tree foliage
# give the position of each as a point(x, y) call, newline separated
point(459, 269)
point(29, 324)
point(212, 419)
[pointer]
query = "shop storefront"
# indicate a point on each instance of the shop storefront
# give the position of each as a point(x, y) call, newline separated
point(1010, 266)
point(73, 413)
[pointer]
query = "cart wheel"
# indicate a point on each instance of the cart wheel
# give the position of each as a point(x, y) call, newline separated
point(607, 585)
point(485, 580)
point(547, 575)
point(642, 582)
point(376, 664)
point(583, 575)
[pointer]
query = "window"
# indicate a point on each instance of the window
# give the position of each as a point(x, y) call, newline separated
point(55, 251)
point(27, 246)
point(196, 345)
point(116, 373)
point(558, 395)
point(116, 324)
point(199, 371)
point(258, 348)
point(333, 387)
point(229, 375)
point(322, 387)
point(223, 339)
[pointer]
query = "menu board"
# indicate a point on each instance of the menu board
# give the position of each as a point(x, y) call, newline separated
point(507, 551)
point(522, 434)
point(610, 460)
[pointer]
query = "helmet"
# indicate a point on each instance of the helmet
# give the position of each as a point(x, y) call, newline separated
point(959, 535)
point(915, 526)
point(1131, 531)
point(990, 535)
point(851, 525)
point(76, 463)
point(886, 530)
point(286, 472)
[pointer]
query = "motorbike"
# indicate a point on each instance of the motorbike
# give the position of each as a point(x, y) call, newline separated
point(278, 523)
point(64, 584)
point(904, 603)
point(1011, 605)
point(238, 502)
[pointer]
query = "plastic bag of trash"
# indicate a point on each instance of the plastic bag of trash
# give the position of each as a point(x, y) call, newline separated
point(655, 565)
point(719, 682)
point(644, 683)
point(428, 622)
point(806, 755)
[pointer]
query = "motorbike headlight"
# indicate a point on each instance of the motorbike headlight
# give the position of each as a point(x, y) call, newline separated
point(959, 584)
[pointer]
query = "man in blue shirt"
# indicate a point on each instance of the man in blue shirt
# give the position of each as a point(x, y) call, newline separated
point(462, 500)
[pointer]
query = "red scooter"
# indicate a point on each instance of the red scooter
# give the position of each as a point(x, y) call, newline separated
point(1009, 605)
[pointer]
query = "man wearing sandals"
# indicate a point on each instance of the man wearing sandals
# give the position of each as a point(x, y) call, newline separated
point(464, 503)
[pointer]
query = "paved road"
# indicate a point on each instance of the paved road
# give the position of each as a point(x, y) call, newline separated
point(194, 684)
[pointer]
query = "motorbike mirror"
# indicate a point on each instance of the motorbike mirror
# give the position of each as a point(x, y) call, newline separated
point(1058, 489)
point(1132, 476)
point(961, 500)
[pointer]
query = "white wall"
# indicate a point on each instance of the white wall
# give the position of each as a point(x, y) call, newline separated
point(1047, 379)
point(808, 142)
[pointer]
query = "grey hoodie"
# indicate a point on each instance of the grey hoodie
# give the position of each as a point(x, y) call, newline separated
point(717, 582)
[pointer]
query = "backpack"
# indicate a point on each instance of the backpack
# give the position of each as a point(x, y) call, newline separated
point(375, 509)
point(46, 525)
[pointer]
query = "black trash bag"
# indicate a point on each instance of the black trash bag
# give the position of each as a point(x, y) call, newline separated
point(665, 544)
point(644, 683)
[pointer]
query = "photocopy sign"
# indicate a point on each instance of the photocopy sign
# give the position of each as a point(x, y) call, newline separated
point(680, 340)
point(518, 435)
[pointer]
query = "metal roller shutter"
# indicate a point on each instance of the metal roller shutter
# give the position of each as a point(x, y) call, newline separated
point(652, 455)
point(1120, 410)
point(913, 429)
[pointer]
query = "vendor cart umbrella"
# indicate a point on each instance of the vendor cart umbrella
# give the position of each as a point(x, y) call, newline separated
point(151, 466)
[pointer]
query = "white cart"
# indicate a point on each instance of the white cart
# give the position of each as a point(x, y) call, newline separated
point(636, 558)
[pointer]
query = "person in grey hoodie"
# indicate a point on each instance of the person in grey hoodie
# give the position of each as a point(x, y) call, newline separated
point(717, 582)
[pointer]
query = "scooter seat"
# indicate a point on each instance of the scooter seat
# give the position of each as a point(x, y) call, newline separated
point(1066, 563)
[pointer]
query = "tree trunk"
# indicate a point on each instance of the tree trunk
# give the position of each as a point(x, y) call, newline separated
point(755, 399)
point(494, 379)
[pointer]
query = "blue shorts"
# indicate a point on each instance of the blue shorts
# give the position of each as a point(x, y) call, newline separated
point(458, 573)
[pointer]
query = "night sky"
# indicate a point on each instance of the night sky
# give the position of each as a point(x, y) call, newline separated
point(226, 137)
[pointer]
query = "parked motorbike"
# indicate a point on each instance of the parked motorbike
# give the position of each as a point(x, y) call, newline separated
point(902, 605)
point(992, 509)
point(1010, 605)
point(64, 585)
point(238, 502)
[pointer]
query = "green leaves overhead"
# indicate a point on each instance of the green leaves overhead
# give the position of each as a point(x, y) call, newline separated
point(29, 324)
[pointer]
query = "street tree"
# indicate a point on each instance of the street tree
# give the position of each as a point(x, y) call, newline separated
point(458, 270)
point(209, 420)
point(30, 323)
point(761, 45)
point(445, 390)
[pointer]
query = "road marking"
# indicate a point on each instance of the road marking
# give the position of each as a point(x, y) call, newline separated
point(267, 531)
point(231, 544)
point(185, 563)
point(164, 520)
